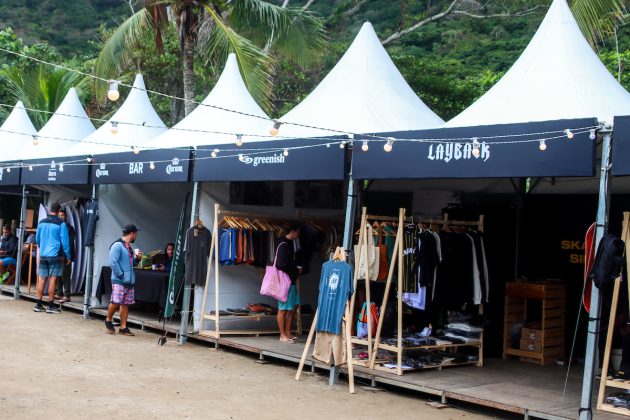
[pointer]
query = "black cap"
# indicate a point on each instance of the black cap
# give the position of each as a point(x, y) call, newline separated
point(130, 229)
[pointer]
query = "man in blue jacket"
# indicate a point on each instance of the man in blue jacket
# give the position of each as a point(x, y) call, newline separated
point(54, 243)
point(121, 261)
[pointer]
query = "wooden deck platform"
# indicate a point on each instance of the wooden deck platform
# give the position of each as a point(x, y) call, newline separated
point(508, 385)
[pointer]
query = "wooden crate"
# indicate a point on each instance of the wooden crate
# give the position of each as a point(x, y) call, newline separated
point(552, 323)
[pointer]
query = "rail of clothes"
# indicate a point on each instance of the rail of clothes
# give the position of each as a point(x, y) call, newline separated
point(447, 266)
point(254, 243)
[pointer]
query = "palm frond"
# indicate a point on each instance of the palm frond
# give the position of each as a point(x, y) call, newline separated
point(117, 51)
point(598, 18)
point(254, 64)
point(296, 33)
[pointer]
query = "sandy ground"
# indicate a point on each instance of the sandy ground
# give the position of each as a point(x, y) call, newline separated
point(61, 366)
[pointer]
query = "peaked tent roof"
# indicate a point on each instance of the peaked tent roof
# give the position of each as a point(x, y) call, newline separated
point(68, 125)
point(363, 93)
point(558, 76)
point(16, 133)
point(138, 124)
point(229, 93)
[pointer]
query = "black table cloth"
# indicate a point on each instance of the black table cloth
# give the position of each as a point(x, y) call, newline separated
point(151, 286)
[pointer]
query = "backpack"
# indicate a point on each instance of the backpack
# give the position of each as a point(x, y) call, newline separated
point(362, 322)
point(609, 261)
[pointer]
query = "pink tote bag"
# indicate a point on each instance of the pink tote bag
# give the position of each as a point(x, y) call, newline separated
point(276, 283)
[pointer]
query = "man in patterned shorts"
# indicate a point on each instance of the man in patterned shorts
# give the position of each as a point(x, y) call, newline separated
point(122, 260)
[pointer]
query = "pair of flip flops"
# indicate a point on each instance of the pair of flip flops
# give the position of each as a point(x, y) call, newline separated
point(289, 340)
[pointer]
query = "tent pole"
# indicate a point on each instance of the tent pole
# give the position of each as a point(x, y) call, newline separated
point(188, 287)
point(351, 201)
point(20, 232)
point(90, 272)
point(586, 412)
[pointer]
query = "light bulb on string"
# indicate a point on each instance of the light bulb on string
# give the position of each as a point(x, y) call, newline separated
point(136, 150)
point(112, 93)
point(592, 134)
point(475, 147)
point(30, 168)
point(60, 167)
point(114, 128)
point(543, 145)
point(389, 145)
point(89, 159)
point(350, 136)
point(568, 133)
point(365, 147)
point(35, 140)
point(342, 145)
point(276, 128)
point(239, 140)
point(151, 165)
point(214, 153)
point(9, 169)
point(286, 152)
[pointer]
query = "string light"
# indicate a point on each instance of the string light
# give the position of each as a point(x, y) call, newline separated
point(543, 145)
point(350, 136)
point(60, 166)
point(89, 159)
point(569, 133)
point(8, 170)
point(30, 168)
point(114, 128)
point(239, 140)
point(342, 145)
point(365, 146)
point(276, 128)
point(112, 93)
point(475, 147)
point(35, 140)
point(151, 165)
point(136, 150)
point(214, 153)
point(592, 134)
point(286, 152)
point(389, 145)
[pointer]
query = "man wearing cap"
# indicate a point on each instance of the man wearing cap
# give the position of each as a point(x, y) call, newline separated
point(122, 261)
point(53, 242)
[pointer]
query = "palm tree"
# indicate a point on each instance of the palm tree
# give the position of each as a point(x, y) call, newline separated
point(213, 29)
point(41, 87)
point(598, 19)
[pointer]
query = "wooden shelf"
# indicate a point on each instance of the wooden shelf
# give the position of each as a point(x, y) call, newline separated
point(612, 409)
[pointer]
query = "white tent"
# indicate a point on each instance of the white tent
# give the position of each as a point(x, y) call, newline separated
point(137, 124)
point(16, 132)
point(68, 125)
point(558, 76)
point(230, 93)
point(363, 93)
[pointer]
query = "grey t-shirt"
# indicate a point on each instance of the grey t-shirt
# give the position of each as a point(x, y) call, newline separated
point(197, 248)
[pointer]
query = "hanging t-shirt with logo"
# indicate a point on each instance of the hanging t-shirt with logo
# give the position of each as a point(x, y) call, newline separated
point(335, 287)
point(91, 216)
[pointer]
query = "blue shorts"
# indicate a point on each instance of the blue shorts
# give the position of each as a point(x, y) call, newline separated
point(50, 266)
point(8, 261)
point(293, 299)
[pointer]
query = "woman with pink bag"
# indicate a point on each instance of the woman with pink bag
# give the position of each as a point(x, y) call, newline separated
point(285, 261)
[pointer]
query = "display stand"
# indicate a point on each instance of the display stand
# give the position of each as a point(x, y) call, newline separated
point(340, 255)
point(243, 221)
point(605, 382)
point(375, 344)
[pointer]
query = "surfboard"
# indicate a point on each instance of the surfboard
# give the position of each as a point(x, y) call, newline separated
point(70, 221)
point(589, 259)
point(83, 260)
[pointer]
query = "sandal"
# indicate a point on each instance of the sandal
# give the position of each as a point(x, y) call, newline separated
point(287, 340)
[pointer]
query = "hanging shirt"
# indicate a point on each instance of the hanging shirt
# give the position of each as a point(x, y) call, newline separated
point(335, 287)
point(197, 248)
point(91, 217)
point(475, 271)
point(410, 281)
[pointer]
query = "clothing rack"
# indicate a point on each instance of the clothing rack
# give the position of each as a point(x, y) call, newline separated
point(374, 344)
point(252, 221)
point(605, 382)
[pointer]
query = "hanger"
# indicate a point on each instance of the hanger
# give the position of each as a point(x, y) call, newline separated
point(340, 254)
